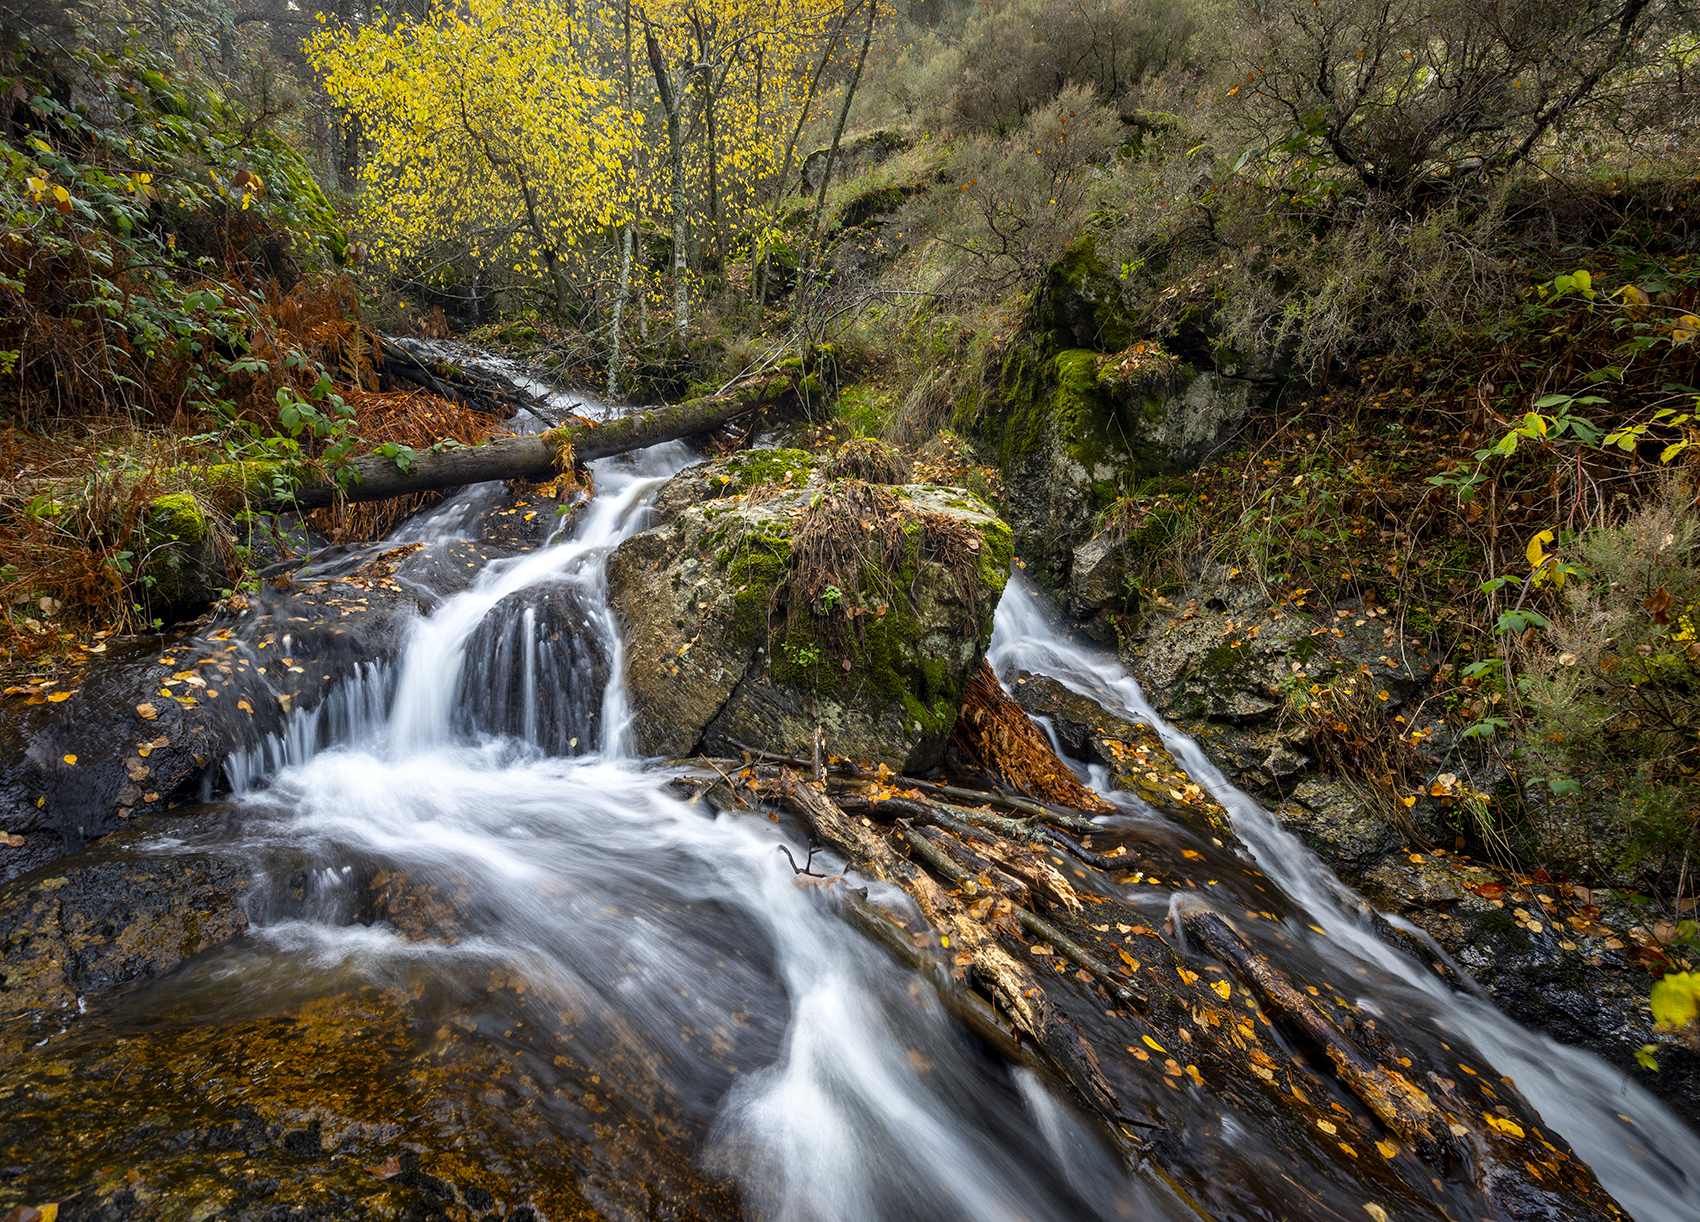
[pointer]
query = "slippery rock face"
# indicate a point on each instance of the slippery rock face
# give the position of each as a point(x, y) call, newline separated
point(1083, 407)
point(770, 601)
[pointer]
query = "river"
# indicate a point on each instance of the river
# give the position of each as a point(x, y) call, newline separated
point(691, 1016)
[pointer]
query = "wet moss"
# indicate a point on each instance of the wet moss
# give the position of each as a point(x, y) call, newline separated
point(761, 468)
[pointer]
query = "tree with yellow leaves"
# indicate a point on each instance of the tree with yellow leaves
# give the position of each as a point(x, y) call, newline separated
point(489, 128)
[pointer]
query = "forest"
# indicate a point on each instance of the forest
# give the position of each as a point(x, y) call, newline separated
point(1322, 372)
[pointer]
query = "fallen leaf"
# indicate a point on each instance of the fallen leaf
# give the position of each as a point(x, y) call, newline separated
point(147, 712)
point(15, 840)
point(57, 697)
point(70, 760)
point(1371, 1208)
point(386, 1170)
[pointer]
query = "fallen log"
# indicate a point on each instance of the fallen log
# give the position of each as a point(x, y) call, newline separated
point(1011, 984)
point(1396, 1101)
point(533, 457)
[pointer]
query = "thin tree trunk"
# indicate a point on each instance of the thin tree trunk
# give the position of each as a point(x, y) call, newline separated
point(790, 154)
point(843, 115)
point(671, 105)
point(614, 353)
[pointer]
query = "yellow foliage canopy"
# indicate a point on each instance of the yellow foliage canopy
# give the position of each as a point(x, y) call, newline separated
point(487, 129)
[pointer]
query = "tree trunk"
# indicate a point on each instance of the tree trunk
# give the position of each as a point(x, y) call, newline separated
point(532, 457)
point(843, 115)
point(672, 104)
point(618, 321)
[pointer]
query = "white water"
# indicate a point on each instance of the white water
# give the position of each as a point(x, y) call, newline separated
point(653, 922)
point(662, 928)
point(1652, 1165)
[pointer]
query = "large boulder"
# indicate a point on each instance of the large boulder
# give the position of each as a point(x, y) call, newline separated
point(770, 600)
point(1082, 408)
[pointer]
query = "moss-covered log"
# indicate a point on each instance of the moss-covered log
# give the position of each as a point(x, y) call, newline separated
point(529, 457)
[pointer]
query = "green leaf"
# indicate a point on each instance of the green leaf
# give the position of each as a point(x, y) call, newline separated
point(1644, 1057)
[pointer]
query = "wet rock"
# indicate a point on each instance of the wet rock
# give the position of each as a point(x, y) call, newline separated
point(525, 515)
point(1559, 963)
point(439, 570)
point(1099, 587)
point(152, 720)
point(113, 914)
point(713, 658)
point(321, 1113)
point(1339, 826)
point(547, 631)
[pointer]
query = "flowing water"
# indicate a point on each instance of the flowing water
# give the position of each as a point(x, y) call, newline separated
point(702, 1009)
point(1645, 1156)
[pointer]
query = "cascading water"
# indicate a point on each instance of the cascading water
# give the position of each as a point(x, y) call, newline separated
point(681, 1000)
point(704, 984)
point(1643, 1154)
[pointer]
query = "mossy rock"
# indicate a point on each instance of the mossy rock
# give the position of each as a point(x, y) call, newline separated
point(180, 570)
point(1081, 301)
point(713, 660)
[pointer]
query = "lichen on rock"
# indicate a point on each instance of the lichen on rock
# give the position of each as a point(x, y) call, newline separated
point(772, 599)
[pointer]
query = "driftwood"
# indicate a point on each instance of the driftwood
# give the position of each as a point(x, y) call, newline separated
point(1017, 992)
point(989, 890)
point(535, 457)
point(1398, 1102)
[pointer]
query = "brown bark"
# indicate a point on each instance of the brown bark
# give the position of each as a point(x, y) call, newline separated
point(1018, 993)
point(539, 456)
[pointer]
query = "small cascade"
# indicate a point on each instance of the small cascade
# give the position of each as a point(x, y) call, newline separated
point(353, 711)
point(1652, 1167)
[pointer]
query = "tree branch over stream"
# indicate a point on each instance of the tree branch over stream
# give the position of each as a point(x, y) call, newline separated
point(533, 457)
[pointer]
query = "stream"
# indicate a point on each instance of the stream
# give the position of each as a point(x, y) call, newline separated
point(665, 1019)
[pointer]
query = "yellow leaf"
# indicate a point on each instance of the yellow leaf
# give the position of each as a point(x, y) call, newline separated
point(69, 759)
point(1223, 989)
point(1536, 551)
point(58, 697)
point(1503, 1125)
point(1676, 999)
point(1154, 1045)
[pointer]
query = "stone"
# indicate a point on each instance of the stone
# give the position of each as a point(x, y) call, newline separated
point(854, 157)
point(182, 566)
point(715, 662)
point(1339, 826)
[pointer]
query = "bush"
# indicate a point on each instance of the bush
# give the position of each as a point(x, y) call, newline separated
point(1616, 697)
point(1396, 93)
point(1014, 58)
point(1014, 203)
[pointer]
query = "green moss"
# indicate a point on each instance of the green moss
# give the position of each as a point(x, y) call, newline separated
point(178, 517)
point(1223, 660)
point(761, 468)
point(754, 576)
point(1081, 301)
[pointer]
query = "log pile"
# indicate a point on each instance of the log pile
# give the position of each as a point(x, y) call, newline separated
point(1028, 932)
